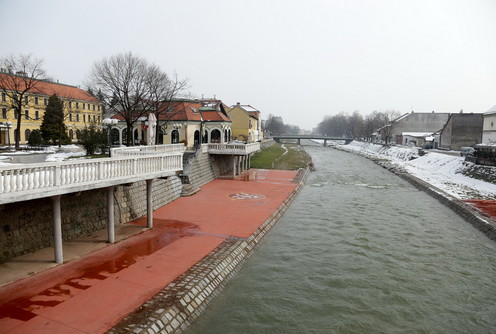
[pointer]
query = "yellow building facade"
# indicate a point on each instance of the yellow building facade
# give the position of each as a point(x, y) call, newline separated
point(80, 110)
point(245, 123)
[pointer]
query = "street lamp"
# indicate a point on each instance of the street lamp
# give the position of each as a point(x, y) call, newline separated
point(108, 122)
point(9, 124)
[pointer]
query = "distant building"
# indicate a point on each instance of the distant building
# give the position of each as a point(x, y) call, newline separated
point(80, 109)
point(424, 124)
point(461, 130)
point(489, 126)
point(246, 123)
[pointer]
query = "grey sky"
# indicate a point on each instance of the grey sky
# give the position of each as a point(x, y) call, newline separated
point(300, 60)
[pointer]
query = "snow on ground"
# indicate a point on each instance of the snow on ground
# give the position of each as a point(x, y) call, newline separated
point(63, 156)
point(441, 170)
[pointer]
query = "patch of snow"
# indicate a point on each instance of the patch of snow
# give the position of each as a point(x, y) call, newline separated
point(441, 170)
point(63, 156)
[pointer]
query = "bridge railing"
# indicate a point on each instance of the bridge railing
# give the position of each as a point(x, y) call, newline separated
point(147, 150)
point(236, 149)
point(42, 177)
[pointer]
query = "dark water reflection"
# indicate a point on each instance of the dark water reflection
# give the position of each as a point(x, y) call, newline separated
point(362, 251)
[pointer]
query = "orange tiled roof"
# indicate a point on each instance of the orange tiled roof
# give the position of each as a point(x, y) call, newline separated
point(50, 88)
point(187, 111)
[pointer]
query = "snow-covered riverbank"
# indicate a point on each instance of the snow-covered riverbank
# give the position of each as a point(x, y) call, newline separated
point(441, 170)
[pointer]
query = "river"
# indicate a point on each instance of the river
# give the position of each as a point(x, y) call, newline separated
point(360, 250)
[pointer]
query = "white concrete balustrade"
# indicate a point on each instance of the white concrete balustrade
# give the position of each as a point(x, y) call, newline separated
point(24, 182)
point(234, 149)
point(152, 149)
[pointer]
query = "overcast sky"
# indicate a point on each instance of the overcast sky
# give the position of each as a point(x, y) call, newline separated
point(300, 60)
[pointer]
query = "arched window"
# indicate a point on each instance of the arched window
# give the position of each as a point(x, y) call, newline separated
point(114, 136)
point(27, 132)
point(174, 137)
point(71, 134)
point(78, 134)
point(215, 136)
point(197, 138)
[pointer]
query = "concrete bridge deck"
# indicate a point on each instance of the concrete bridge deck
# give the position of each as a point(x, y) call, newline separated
point(310, 137)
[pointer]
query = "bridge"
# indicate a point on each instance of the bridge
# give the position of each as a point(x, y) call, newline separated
point(300, 137)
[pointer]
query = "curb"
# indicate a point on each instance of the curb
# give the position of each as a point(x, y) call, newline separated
point(180, 303)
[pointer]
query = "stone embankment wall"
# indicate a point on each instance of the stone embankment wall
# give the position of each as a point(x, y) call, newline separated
point(179, 304)
point(27, 226)
point(200, 169)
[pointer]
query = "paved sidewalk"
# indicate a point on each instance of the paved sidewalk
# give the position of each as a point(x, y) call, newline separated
point(93, 293)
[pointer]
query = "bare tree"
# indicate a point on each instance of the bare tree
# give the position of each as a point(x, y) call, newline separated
point(129, 85)
point(165, 89)
point(388, 119)
point(19, 76)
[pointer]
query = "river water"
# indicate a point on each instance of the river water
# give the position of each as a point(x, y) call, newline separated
point(361, 251)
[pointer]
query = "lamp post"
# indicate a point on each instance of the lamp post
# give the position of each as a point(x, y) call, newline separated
point(9, 124)
point(108, 122)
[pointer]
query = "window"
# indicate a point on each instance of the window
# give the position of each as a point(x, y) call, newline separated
point(26, 114)
point(70, 117)
point(99, 120)
point(26, 99)
point(77, 118)
point(16, 114)
point(4, 98)
point(94, 118)
point(84, 118)
point(70, 104)
point(45, 102)
point(93, 107)
point(84, 106)
point(26, 134)
point(71, 134)
point(4, 112)
point(36, 100)
point(98, 107)
point(77, 105)
point(36, 114)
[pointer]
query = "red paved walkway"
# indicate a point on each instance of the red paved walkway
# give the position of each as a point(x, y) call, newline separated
point(91, 294)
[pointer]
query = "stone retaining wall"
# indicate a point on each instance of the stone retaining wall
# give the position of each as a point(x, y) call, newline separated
point(201, 170)
point(179, 304)
point(27, 226)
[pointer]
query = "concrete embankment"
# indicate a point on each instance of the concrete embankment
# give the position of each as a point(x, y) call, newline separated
point(483, 223)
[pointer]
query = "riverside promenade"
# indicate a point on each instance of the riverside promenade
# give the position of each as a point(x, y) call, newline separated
point(196, 244)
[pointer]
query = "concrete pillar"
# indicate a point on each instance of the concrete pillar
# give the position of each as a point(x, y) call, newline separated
point(110, 215)
point(249, 161)
point(149, 203)
point(299, 141)
point(57, 229)
point(234, 166)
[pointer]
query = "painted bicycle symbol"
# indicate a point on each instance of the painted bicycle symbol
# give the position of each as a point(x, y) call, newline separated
point(245, 196)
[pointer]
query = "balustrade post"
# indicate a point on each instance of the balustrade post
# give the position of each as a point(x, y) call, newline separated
point(149, 203)
point(56, 176)
point(57, 229)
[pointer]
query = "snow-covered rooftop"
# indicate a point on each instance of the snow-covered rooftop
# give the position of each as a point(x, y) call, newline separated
point(416, 134)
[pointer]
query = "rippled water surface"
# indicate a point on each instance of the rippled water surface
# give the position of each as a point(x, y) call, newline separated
point(362, 251)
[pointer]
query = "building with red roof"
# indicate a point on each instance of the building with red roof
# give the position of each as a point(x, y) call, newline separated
point(187, 121)
point(80, 107)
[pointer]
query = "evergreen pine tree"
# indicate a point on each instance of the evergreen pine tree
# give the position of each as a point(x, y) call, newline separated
point(53, 129)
